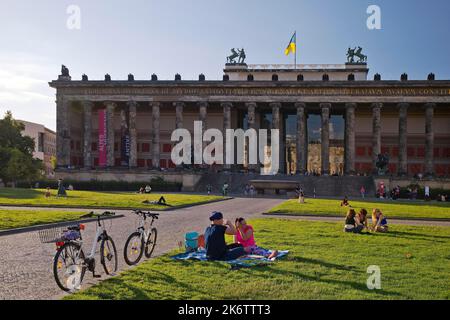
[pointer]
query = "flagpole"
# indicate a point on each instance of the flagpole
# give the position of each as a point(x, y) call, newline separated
point(295, 56)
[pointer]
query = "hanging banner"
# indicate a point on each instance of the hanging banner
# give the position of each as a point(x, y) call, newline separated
point(125, 139)
point(102, 137)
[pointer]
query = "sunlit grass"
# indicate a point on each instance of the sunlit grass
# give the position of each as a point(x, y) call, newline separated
point(97, 199)
point(323, 263)
point(392, 209)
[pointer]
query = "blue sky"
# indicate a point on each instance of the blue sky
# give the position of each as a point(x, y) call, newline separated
point(195, 36)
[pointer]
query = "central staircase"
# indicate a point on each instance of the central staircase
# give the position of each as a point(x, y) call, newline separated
point(322, 186)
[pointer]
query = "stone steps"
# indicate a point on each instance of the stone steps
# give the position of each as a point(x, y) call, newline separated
point(322, 186)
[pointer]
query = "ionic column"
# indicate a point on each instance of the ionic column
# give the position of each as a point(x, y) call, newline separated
point(203, 112)
point(251, 119)
point(325, 137)
point(62, 131)
point(87, 133)
point(403, 139)
point(178, 114)
point(226, 125)
point(350, 138)
point(110, 106)
point(429, 139)
point(179, 106)
point(203, 109)
point(376, 134)
point(132, 106)
point(276, 124)
point(302, 145)
point(155, 134)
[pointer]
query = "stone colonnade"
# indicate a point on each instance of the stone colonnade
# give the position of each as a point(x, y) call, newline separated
point(63, 132)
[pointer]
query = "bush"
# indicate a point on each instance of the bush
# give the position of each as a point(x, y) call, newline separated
point(157, 184)
point(434, 192)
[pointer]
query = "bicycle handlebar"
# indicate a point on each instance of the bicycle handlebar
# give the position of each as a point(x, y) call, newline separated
point(94, 214)
point(148, 213)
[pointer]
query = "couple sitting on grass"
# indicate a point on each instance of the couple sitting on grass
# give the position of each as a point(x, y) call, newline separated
point(216, 247)
point(356, 223)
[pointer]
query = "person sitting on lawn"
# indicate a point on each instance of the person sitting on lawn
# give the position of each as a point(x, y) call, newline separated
point(361, 218)
point(345, 202)
point(379, 221)
point(245, 237)
point(351, 222)
point(215, 245)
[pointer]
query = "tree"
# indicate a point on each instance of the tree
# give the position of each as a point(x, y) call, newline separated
point(16, 153)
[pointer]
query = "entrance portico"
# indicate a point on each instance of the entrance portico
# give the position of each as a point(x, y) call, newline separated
point(324, 125)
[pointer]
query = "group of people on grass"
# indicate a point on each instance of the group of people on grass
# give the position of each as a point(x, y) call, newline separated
point(244, 239)
point(357, 222)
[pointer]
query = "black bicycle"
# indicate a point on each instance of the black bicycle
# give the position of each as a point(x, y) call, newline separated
point(70, 263)
point(141, 241)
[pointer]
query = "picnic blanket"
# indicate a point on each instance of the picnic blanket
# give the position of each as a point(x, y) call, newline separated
point(246, 261)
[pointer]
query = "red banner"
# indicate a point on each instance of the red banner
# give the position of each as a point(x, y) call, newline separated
point(102, 138)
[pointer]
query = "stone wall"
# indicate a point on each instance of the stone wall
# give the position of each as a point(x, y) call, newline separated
point(188, 180)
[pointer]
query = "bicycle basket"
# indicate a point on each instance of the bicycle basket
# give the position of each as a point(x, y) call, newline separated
point(51, 235)
point(54, 235)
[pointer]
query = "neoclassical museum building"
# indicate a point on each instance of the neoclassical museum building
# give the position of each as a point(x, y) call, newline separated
point(333, 120)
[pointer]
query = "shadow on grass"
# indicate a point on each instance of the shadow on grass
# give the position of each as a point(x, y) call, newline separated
point(416, 236)
point(354, 285)
point(20, 193)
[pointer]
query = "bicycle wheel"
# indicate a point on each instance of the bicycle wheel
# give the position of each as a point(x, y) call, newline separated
point(108, 255)
point(68, 267)
point(151, 242)
point(134, 248)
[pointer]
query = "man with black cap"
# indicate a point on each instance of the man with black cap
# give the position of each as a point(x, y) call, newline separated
point(216, 248)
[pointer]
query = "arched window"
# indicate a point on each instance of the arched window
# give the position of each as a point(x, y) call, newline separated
point(351, 77)
point(326, 77)
point(300, 77)
point(250, 77)
point(274, 77)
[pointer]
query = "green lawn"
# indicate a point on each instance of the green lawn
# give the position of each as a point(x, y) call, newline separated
point(35, 197)
point(324, 263)
point(10, 219)
point(392, 209)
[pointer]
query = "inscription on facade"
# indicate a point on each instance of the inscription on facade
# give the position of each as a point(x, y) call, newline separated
point(263, 91)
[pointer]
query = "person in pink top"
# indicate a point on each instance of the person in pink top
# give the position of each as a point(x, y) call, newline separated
point(245, 237)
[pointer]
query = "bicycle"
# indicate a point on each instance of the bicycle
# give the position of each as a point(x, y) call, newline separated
point(70, 263)
point(141, 241)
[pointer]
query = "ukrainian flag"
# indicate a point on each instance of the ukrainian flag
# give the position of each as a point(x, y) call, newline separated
point(292, 47)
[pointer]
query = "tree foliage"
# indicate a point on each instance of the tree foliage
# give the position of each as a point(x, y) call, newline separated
point(16, 153)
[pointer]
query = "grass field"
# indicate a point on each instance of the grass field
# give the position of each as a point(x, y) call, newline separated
point(10, 219)
point(36, 197)
point(392, 209)
point(324, 263)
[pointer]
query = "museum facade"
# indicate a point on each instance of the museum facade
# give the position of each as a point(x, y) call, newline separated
point(332, 120)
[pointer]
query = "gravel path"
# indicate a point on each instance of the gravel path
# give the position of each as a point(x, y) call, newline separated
point(25, 263)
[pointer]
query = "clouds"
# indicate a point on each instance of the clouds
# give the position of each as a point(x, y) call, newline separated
point(24, 89)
